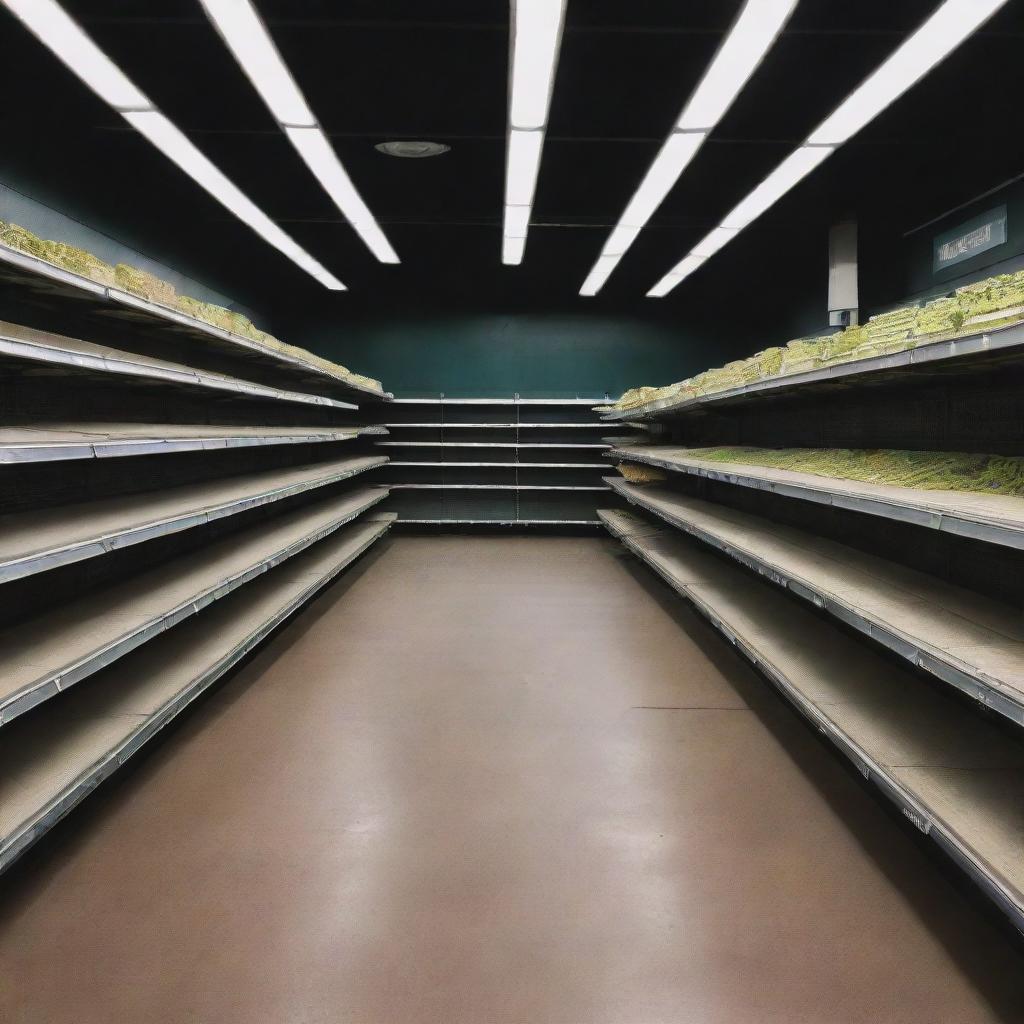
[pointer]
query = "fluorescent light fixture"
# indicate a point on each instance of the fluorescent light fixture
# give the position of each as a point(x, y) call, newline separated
point(512, 250)
point(951, 23)
point(683, 269)
point(517, 221)
point(524, 149)
point(536, 33)
point(247, 38)
point(52, 26)
point(748, 40)
point(675, 153)
point(599, 274)
point(942, 33)
point(312, 145)
point(713, 241)
point(793, 169)
point(535, 38)
point(242, 29)
point(619, 241)
point(177, 147)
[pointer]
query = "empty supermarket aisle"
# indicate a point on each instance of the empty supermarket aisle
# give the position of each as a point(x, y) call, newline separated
point(494, 780)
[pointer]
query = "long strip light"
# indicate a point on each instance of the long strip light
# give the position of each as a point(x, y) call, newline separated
point(536, 35)
point(246, 36)
point(752, 34)
point(56, 30)
point(950, 24)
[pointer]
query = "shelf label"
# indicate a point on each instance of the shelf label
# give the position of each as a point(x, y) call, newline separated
point(967, 240)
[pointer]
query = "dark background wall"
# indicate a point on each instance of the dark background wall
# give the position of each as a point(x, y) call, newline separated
point(896, 266)
point(497, 354)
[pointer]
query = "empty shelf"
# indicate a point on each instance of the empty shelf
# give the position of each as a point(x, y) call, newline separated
point(486, 444)
point(502, 522)
point(969, 641)
point(43, 539)
point(52, 652)
point(489, 487)
point(957, 777)
point(51, 759)
point(985, 346)
point(30, 270)
point(505, 465)
point(996, 518)
point(58, 442)
point(41, 347)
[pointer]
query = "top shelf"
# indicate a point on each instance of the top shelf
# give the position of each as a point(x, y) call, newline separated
point(981, 351)
point(38, 275)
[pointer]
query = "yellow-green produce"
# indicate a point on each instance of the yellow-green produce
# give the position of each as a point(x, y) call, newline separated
point(153, 289)
point(635, 473)
point(946, 471)
point(984, 305)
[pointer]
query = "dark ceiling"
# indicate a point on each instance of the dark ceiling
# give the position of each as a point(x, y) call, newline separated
point(392, 69)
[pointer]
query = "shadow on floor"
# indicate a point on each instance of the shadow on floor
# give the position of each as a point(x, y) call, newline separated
point(952, 908)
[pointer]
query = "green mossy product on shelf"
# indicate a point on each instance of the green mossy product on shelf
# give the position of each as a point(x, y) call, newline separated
point(144, 285)
point(78, 261)
point(984, 305)
point(18, 238)
point(636, 473)
point(148, 286)
point(769, 362)
point(946, 471)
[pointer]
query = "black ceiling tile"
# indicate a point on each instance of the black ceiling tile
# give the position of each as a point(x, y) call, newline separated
point(625, 85)
point(400, 80)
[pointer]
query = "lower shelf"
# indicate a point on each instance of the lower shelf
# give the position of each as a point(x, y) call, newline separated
point(53, 757)
point(966, 640)
point(956, 776)
point(491, 487)
point(501, 522)
point(44, 656)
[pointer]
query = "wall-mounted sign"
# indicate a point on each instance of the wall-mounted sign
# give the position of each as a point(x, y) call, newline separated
point(975, 236)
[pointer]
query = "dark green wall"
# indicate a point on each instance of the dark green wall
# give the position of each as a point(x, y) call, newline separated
point(535, 354)
point(897, 270)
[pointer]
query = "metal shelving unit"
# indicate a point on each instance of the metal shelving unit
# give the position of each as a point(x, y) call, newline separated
point(46, 655)
point(65, 442)
point(102, 305)
point(497, 461)
point(982, 351)
point(50, 763)
point(40, 540)
point(963, 640)
point(129, 583)
point(507, 426)
point(957, 778)
point(489, 444)
point(495, 487)
point(37, 349)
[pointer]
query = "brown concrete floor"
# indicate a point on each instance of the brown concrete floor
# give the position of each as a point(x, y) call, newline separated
point(494, 781)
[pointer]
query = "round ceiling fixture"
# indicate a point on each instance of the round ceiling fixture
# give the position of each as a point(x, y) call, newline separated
point(412, 149)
